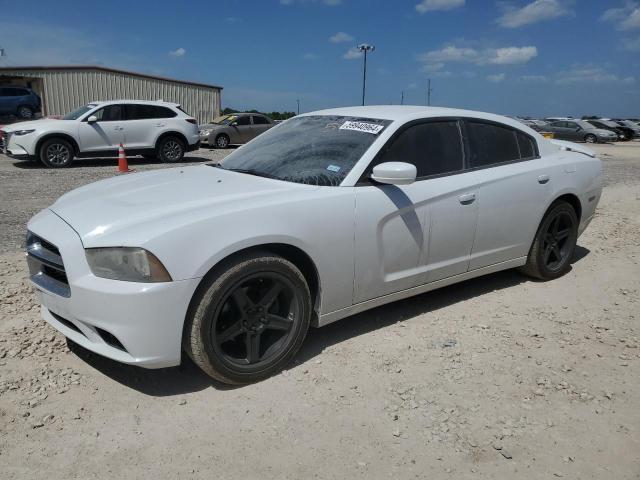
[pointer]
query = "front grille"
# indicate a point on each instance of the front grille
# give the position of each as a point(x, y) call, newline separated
point(46, 268)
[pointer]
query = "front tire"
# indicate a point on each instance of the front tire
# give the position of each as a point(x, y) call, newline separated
point(555, 243)
point(56, 153)
point(591, 138)
point(222, 141)
point(249, 319)
point(171, 150)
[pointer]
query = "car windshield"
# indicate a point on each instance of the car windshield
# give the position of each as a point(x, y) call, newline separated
point(314, 150)
point(78, 112)
point(608, 123)
point(629, 123)
point(224, 119)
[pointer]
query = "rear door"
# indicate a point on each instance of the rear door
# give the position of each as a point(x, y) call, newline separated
point(260, 124)
point(408, 235)
point(106, 133)
point(145, 123)
point(513, 185)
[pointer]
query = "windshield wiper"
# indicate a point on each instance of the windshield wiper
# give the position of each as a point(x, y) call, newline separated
point(249, 171)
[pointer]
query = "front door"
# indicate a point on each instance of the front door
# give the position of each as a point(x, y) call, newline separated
point(242, 130)
point(408, 235)
point(105, 134)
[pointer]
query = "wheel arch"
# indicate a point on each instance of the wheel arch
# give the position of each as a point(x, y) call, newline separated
point(171, 133)
point(49, 136)
point(573, 200)
point(301, 259)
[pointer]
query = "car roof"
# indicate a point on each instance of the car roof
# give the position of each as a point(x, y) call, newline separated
point(405, 113)
point(144, 102)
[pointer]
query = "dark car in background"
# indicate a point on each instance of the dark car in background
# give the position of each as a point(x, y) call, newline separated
point(624, 133)
point(21, 102)
point(580, 131)
point(234, 129)
point(630, 125)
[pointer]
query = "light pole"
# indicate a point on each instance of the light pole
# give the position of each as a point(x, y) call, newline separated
point(365, 48)
point(298, 102)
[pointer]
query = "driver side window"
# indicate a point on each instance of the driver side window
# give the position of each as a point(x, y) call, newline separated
point(435, 148)
point(110, 113)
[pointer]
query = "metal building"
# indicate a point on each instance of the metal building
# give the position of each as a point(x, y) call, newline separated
point(64, 88)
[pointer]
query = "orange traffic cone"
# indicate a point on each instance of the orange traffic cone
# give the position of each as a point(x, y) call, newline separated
point(123, 166)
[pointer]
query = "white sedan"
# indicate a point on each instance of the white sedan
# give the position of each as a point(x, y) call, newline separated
point(323, 216)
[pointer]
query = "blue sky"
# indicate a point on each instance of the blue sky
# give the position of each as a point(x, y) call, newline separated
point(520, 57)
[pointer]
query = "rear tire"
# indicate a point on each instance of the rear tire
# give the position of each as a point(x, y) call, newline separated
point(56, 153)
point(554, 244)
point(248, 319)
point(171, 150)
point(591, 138)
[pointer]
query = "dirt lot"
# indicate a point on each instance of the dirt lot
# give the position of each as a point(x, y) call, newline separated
point(498, 377)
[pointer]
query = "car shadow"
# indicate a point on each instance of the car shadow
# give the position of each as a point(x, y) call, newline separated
point(111, 162)
point(188, 378)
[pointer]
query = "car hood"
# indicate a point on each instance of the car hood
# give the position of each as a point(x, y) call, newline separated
point(40, 124)
point(130, 210)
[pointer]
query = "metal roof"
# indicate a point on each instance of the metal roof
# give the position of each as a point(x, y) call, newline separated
point(104, 69)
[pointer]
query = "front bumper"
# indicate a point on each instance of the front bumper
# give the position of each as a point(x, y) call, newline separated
point(135, 323)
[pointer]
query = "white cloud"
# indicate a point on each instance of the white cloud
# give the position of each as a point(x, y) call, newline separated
point(178, 52)
point(626, 17)
point(536, 11)
point(330, 3)
point(631, 44)
point(309, 56)
point(435, 59)
point(432, 5)
point(628, 80)
point(340, 37)
point(534, 78)
point(585, 74)
point(352, 54)
point(496, 78)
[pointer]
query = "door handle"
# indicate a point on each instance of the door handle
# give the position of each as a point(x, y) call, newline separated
point(160, 124)
point(119, 128)
point(467, 198)
point(543, 179)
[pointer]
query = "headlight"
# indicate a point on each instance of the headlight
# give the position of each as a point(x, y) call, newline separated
point(205, 132)
point(127, 264)
point(23, 132)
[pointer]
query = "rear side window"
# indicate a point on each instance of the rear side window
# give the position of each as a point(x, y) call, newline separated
point(142, 112)
point(258, 120)
point(434, 148)
point(526, 146)
point(490, 144)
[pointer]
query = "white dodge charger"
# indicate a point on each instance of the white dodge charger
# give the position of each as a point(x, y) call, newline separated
point(328, 214)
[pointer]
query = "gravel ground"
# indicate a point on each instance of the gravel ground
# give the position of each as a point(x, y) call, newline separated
point(497, 377)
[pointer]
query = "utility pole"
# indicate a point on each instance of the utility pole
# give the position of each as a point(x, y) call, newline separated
point(365, 48)
point(298, 102)
point(402, 98)
point(429, 92)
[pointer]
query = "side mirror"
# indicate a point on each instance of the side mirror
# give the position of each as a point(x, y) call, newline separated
point(234, 124)
point(394, 173)
point(578, 129)
point(92, 119)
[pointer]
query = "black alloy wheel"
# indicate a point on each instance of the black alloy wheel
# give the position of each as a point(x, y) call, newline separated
point(555, 242)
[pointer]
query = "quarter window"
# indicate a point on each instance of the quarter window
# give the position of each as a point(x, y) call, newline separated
point(490, 144)
point(525, 144)
point(434, 148)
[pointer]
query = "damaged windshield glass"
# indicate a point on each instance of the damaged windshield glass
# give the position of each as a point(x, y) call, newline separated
point(314, 150)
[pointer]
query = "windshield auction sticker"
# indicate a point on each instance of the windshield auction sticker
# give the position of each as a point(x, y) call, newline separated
point(362, 127)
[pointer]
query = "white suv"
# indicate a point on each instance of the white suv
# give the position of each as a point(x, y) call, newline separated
point(152, 129)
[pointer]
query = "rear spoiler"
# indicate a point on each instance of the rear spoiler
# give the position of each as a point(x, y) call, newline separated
point(573, 147)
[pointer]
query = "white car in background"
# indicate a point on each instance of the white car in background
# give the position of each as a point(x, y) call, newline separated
point(325, 215)
point(152, 129)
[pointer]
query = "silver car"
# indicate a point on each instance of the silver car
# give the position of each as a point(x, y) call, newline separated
point(580, 131)
point(234, 129)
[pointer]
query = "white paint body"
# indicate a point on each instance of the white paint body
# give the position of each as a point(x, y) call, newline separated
point(370, 244)
point(102, 136)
